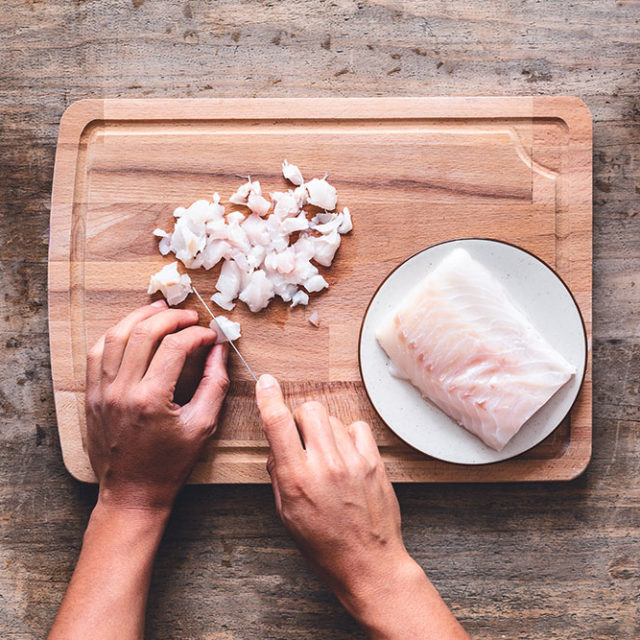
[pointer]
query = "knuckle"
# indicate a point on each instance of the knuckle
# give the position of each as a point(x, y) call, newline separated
point(361, 424)
point(222, 382)
point(275, 416)
point(307, 409)
point(94, 353)
point(140, 331)
point(92, 400)
point(312, 406)
point(172, 342)
point(285, 513)
point(379, 469)
point(141, 400)
point(112, 397)
point(114, 336)
point(270, 465)
point(335, 467)
point(361, 466)
point(292, 485)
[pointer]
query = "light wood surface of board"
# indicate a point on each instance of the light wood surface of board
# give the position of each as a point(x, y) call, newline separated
point(413, 172)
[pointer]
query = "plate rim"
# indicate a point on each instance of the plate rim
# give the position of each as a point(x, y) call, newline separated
point(513, 246)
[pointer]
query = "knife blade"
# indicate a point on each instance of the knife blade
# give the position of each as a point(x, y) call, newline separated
point(206, 306)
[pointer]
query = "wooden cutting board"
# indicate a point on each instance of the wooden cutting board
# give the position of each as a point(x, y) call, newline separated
point(413, 171)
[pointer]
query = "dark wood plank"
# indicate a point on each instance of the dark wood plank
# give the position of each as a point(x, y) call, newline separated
point(535, 561)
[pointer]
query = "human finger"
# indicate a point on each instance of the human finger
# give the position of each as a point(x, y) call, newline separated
point(312, 419)
point(207, 400)
point(364, 441)
point(117, 337)
point(274, 483)
point(167, 362)
point(344, 443)
point(144, 340)
point(279, 425)
point(94, 364)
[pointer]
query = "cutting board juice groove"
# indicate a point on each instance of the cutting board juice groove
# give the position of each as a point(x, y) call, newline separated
point(413, 171)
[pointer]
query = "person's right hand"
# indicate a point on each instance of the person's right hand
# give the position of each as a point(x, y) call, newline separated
point(332, 492)
point(333, 495)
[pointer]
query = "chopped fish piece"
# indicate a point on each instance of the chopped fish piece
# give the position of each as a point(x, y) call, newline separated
point(285, 204)
point(226, 329)
point(164, 246)
point(258, 204)
point(265, 254)
point(461, 341)
point(229, 280)
point(300, 194)
point(321, 194)
point(325, 248)
point(242, 194)
point(173, 286)
point(315, 283)
point(235, 217)
point(299, 223)
point(299, 297)
point(292, 173)
point(225, 303)
point(257, 230)
point(258, 291)
point(213, 252)
point(345, 225)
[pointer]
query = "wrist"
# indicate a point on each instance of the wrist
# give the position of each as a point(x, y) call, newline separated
point(370, 597)
point(116, 514)
point(130, 497)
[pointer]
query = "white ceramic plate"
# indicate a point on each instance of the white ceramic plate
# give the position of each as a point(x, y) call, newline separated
point(536, 289)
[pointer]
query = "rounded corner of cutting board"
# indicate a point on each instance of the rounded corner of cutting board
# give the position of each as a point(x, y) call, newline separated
point(85, 110)
point(572, 111)
point(78, 465)
point(581, 459)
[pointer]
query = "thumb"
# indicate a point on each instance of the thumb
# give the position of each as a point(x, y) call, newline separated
point(279, 425)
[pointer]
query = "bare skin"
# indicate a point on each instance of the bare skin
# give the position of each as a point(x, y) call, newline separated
point(142, 447)
point(332, 494)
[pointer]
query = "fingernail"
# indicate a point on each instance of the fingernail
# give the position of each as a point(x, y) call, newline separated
point(267, 381)
point(159, 303)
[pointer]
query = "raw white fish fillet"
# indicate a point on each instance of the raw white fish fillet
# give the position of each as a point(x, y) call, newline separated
point(229, 330)
point(173, 286)
point(461, 341)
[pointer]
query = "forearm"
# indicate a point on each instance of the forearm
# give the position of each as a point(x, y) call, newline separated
point(107, 594)
point(402, 605)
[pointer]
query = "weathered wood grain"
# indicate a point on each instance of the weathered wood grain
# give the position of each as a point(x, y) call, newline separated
point(535, 561)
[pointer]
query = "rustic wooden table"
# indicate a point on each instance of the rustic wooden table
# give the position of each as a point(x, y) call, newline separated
point(534, 561)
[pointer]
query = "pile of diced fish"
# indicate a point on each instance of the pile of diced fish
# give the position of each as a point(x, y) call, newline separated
point(259, 259)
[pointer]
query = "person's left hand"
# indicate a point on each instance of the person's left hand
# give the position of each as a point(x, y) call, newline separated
point(142, 445)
